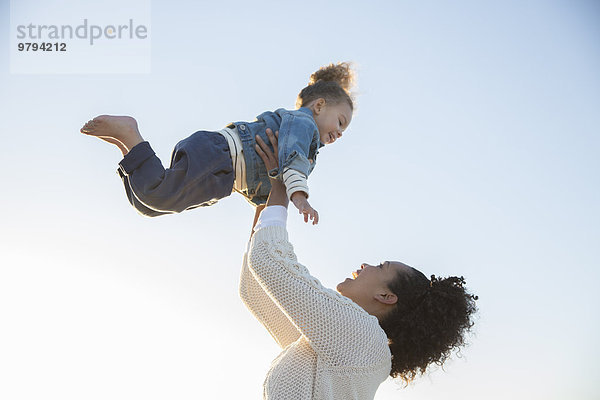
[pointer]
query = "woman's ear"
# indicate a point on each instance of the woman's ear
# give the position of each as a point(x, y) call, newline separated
point(386, 298)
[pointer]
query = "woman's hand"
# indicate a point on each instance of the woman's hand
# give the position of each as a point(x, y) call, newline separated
point(278, 196)
point(269, 157)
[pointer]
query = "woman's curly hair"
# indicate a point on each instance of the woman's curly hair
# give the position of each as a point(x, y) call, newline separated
point(332, 83)
point(429, 321)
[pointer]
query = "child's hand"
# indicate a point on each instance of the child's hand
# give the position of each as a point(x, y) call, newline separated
point(301, 203)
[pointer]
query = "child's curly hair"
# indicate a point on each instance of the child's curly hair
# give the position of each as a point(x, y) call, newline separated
point(429, 321)
point(331, 82)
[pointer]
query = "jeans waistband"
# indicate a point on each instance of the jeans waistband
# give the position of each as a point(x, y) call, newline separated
point(237, 157)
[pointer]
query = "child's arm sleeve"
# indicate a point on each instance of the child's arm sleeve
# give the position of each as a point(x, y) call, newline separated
point(294, 181)
point(295, 136)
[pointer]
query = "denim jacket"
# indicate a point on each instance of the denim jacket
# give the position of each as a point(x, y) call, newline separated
point(298, 144)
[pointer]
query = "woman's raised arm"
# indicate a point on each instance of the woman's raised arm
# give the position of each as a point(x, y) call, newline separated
point(277, 196)
point(251, 292)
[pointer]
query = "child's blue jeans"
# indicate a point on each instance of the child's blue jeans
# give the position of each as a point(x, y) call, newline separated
point(201, 173)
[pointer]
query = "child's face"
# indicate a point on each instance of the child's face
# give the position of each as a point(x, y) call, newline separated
point(332, 119)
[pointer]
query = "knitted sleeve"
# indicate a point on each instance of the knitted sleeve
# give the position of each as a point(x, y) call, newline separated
point(265, 310)
point(338, 329)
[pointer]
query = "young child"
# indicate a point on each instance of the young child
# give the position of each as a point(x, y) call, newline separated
point(208, 166)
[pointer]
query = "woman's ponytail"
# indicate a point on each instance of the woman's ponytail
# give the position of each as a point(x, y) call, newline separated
point(430, 320)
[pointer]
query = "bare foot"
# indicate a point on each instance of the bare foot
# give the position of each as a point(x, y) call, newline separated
point(121, 128)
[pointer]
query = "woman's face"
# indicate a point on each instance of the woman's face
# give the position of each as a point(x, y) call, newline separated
point(370, 283)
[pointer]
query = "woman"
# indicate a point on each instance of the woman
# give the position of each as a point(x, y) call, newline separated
point(389, 320)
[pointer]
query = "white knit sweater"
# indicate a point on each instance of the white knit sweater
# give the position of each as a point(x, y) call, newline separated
point(332, 348)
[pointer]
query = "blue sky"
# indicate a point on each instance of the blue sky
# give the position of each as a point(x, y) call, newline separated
point(473, 151)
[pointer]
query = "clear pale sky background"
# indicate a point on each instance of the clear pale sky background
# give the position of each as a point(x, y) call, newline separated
point(474, 151)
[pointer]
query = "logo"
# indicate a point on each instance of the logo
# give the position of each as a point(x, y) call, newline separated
point(69, 36)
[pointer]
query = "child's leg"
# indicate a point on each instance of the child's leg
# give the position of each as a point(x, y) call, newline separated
point(201, 172)
point(141, 208)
